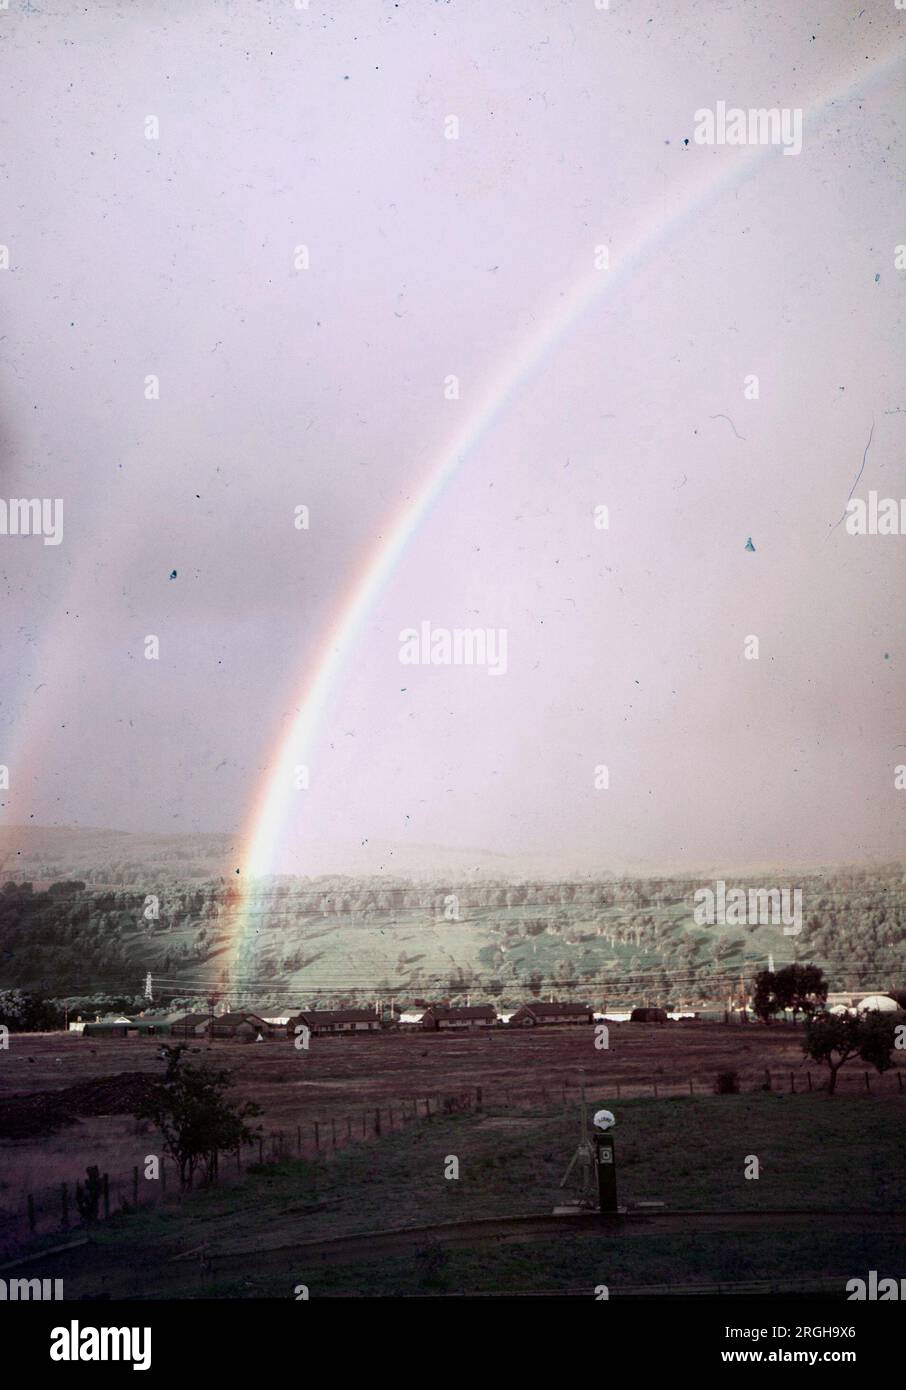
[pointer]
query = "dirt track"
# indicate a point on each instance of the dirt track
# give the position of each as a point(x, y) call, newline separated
point(86, 1265)
point(519, 1229)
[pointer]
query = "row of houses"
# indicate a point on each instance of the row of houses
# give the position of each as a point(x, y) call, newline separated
point(231, 1025)
point(486, 1016)
point(436, 1018)
point(248, 1026)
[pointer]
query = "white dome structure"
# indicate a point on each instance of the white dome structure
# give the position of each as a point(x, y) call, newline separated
point(877, 1003)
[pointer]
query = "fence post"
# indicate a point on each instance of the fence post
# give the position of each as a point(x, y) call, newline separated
point(767, 1077)
point(299, 1140)
point(618, 1090)
point(260, 1148)
point(317, 1136)
point(427, 1107)
point(691, 1091)
point(867, 1081)
point(377, 1121)
point(654, 1084)
point(479, 1098)
point(900, 1079)
point(333, 1131)
point(808, 1077)
point(64, 1219)
point(793, 1082)
point(348, 1130)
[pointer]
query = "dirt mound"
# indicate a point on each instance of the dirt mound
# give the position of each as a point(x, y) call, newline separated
point(41, 1112)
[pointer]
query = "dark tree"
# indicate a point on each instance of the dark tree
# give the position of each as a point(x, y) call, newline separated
point(764, 1000)
point(833, 1039)
point(194, 1117)
point(800, 988)
point(28, 1013)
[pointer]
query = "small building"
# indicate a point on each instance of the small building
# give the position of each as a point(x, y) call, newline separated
point(144, 1026)
point(323, 1022)
point(410, 1019)
point(191, 1026)
point(648, 1016)
point(838, 1001)
point(240, 1024)
point(877, 1003)
point(441, 1018)
point(530, 1015)
point(150, 1025)
point(113, 1027)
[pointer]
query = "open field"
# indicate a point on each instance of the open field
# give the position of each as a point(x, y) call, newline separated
point(319, 1222)
point(350, 1086)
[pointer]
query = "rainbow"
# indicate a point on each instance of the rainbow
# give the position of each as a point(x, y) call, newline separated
point(277, 796)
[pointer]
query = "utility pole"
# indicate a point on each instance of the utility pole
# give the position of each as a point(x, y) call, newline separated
point(148, 992)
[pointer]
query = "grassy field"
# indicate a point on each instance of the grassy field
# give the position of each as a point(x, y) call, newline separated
point(341, 1082)
point(419, 951)
point(815, 1152)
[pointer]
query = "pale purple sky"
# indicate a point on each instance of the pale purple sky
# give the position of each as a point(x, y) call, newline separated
point(429, 257)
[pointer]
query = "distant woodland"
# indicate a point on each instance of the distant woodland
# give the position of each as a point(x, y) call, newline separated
point(337, 939)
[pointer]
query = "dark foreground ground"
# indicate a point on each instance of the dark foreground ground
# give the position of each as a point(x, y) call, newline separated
point(377, 1218)
point(65, 1100)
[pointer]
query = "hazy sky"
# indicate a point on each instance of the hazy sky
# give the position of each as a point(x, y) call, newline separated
point(430, 257)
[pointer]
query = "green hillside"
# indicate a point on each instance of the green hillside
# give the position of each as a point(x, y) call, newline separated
point(614, 941)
